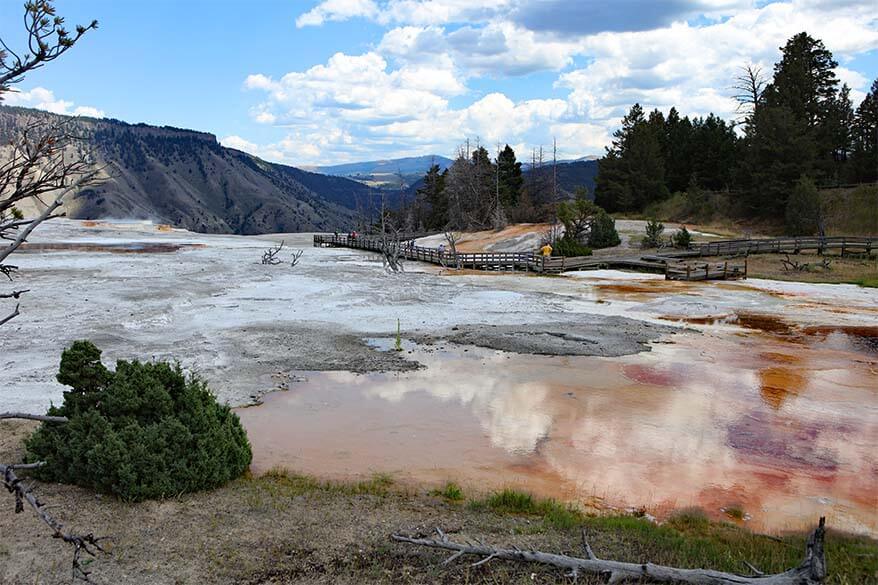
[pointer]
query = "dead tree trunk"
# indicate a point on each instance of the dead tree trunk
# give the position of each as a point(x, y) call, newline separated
point(812, 570)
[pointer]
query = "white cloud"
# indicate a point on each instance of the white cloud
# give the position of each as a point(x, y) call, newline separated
point(329, 10)
point(44, 99)
point(447, 69)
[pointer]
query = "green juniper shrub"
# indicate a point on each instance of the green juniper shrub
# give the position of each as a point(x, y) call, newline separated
point(569, 247)
point(803, 209)
point(144, 431)
point(603, 231)
point(654, 231)
point(682, 238)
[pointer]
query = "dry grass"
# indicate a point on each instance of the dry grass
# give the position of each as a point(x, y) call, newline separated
point(850, 270)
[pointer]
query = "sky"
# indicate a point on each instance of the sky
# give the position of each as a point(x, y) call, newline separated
point(308, 82)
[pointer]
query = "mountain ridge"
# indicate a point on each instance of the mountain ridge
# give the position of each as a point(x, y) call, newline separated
point(186, 178)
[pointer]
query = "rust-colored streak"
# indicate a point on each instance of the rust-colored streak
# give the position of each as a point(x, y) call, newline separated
point(764, 322)
point(668, 377)
point(646, 287)
point(778, 383)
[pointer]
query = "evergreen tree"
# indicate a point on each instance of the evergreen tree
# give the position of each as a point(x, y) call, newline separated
point(678, 151)
point(482, 201)
point(806, 87)
point(510, 177)
point(711, 153)
point(802, 215)
point(632, 174)
point(432, 192)
point(865, 138)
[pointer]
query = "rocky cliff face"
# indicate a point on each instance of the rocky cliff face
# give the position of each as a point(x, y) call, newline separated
point(187, 179)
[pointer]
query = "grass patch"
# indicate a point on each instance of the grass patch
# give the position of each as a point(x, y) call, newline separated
point(866, 282)
point(690, 539)
point(280, 481)
point(552, 512)
point(450, 491)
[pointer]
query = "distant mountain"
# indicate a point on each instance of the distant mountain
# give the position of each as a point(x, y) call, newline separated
point(526, 166)
point(187, 179)
point(572, 175)
point(385, 174)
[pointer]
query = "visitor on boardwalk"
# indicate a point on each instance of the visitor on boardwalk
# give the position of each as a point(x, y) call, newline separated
point(546, 250)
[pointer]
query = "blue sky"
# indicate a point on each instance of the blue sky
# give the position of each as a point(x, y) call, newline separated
point(320, 82)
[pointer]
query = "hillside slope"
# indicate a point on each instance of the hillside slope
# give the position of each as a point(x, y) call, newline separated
point(187, 179)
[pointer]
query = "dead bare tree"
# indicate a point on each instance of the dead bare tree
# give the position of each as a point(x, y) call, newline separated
point(270, 256)
point(749, 84)
point(390, 244)
point(812, 569)
point(452, 238)
point(43, 164)
point(295, 257)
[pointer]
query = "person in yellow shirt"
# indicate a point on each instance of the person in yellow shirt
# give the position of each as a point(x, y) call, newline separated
point(546, 250)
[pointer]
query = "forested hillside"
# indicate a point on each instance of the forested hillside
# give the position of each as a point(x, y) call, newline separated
point(187, 179)
point(798, 132)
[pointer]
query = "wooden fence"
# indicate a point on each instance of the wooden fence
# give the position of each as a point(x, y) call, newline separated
point(844, 244)
point(530, 262)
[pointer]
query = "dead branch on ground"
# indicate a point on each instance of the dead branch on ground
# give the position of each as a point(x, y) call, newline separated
point(790, 265)
point(811, 570)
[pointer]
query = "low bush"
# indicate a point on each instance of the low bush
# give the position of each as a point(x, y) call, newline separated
point(451, 491)
point(144, 431)
point(653, 237)
point(569, 247)
point(603, 231)
point(682, 238)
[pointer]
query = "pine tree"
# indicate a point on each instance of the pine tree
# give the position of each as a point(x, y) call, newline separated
point(433, 194)
point(510, 177)
point(632, 174)
point(864, 158)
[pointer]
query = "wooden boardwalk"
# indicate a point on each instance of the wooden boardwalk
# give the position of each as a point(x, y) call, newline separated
point(845, 245)
point(668, 264)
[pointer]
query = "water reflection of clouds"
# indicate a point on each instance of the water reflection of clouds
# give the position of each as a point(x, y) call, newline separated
point(513, 413)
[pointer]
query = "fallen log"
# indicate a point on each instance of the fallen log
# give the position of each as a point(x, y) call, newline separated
point(812, 570)
point(27, 416)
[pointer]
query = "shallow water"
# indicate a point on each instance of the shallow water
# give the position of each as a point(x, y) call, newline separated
point(780, 427)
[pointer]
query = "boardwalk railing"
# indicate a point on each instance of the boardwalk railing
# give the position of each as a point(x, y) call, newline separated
point(844, 244)
point(509, 261)
point(530, 262)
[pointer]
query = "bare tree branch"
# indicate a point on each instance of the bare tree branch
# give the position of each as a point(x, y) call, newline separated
point(88, 543)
